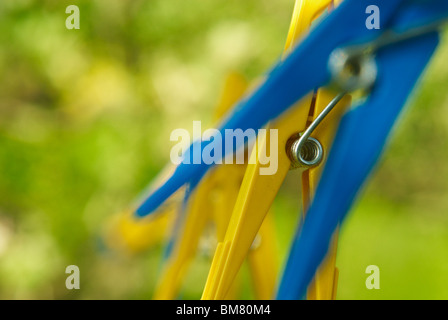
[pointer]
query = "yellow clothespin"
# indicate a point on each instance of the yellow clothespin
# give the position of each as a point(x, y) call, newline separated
point(258, 191)
point(212, 201)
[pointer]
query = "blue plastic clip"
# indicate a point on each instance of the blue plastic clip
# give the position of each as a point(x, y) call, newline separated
point(357, 146)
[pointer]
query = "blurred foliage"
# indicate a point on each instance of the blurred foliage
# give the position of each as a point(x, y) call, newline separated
point(85, 116)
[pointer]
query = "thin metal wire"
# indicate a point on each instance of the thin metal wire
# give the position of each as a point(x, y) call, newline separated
point(307, 151)
point(390, 37)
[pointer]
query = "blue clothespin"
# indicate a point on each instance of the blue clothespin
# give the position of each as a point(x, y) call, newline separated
point(305, 69)
point(359, 142)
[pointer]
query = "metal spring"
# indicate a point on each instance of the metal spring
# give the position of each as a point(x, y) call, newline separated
point(306, 154)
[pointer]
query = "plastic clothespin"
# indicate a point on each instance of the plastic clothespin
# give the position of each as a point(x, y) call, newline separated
point(212, 201)
point(306, 68)
point(258, 191)
point(200, 207)
point(362, 134)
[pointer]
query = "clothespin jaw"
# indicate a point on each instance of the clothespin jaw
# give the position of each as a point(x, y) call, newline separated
point(258, 191)
point(127, 234)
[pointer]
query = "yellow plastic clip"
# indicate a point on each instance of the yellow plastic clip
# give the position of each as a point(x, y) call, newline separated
point(201, 206)
point(258, 191)
point(212, 201)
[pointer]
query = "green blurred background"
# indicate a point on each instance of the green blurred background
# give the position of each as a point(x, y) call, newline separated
point(85, 119)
